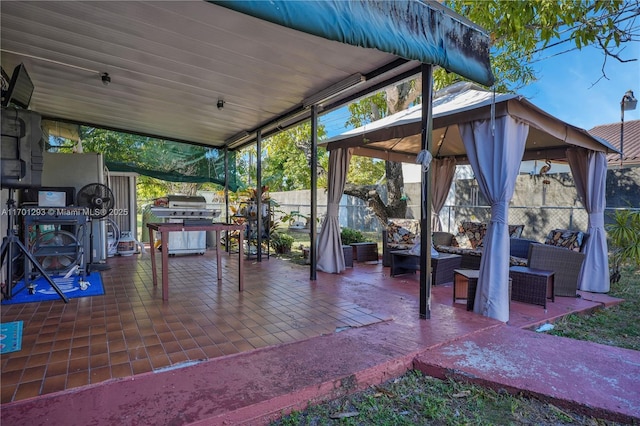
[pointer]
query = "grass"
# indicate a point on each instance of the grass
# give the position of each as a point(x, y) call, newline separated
point(614, 326)
point(414, 399)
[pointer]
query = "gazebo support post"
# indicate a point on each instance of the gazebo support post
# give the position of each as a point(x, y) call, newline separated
point(425, 210)
point(313, 261)
point(259, 224)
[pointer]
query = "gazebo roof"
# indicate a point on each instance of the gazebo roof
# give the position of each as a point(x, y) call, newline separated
point(397, 136)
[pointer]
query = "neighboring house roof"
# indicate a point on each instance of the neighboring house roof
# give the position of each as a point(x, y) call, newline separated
point(631, 141)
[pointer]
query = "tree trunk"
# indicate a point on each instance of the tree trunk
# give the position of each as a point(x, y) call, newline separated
point(396, 205)
point(399, 98)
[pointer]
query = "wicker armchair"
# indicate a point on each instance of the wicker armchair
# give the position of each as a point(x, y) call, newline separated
point(565, 263)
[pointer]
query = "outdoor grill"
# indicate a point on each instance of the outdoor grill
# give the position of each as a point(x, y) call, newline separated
point(188, 210)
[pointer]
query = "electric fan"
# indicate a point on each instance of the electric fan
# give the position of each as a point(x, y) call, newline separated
point(57, 251)
point(98, 199)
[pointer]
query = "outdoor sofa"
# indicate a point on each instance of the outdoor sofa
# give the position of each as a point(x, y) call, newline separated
point(561, 252)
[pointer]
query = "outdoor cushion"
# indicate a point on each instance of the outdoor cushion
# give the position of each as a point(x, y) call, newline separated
point(474, 233)
point(444, 239)
point(519, 247)
point(572, 240)
point(401, 233)
point(471, 234)
point(515, 231)
point(475, 253)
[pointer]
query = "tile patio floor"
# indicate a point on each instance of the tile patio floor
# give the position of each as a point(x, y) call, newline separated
point(131, 332)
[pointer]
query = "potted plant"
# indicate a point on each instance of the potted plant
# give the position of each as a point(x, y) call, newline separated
point(281, 242)
point(624, 240)
point(350, 236)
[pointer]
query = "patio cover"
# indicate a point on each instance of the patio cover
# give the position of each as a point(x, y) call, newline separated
point(170, 62)
point(468, 125)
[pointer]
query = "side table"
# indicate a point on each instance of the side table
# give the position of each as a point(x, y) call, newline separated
point(348, 256)
point(365, 252)
point(531, 285)
point(464, 280)
point(442, 266)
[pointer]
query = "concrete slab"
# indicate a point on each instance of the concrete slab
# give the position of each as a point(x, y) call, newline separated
point(598, 380)
point(255, 387)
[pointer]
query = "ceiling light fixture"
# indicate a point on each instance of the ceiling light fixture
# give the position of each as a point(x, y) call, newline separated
point(334, 90)
point(105, 78)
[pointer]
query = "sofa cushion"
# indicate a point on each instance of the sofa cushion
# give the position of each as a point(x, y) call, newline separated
point(401, 233)
point(515, 231)
point(572, 240)
point(471, 232)
point(444, 239)
point(519, 247)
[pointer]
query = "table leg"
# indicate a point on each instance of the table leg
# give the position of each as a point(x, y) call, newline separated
point(218, 260)
point(164, 236)
point(152, 250)
point(240, 258)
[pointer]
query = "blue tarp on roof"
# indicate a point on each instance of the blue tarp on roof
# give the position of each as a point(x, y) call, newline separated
point(410, 29)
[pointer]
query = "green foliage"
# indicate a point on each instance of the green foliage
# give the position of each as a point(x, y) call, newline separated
point(365, 170)
point(281, 242)
point(614, 326)
point(521, 30)
point(624, 238)
point(285, 160)
point(294, 216)
point(350, 236)
point(369, 109)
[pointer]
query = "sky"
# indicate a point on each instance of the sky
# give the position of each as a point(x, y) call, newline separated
point(569, 86)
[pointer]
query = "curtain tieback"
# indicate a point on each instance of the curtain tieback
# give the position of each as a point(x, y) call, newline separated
point(499, 211)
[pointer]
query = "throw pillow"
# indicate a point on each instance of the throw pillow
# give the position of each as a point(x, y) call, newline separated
point(566, 238)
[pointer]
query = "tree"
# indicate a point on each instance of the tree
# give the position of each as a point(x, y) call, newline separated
point(522, 32)
point(286, 159)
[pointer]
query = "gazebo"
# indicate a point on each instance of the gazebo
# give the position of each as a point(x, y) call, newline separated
point(493, 133)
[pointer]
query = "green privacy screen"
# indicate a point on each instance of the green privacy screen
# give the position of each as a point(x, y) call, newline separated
point(176, 162)
point(162, 159)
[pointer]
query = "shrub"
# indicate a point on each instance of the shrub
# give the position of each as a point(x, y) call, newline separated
point(350, 236)
point(281, 242)
point(624, 241)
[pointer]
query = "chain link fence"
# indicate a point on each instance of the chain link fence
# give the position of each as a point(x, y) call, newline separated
point(537, 221)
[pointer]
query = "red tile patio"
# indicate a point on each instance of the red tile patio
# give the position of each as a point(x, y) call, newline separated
point(212, 355)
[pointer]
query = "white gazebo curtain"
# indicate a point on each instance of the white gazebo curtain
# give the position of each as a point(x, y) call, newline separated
point(443, 171)
point(330, 254)
point(589, 170)
point(495, 149)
